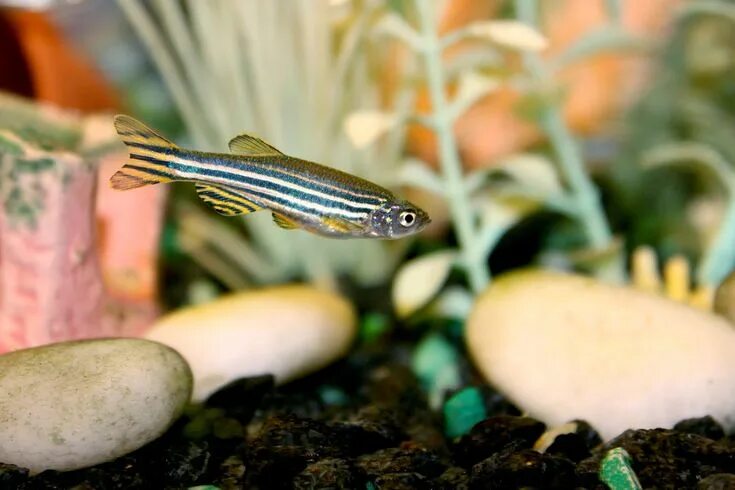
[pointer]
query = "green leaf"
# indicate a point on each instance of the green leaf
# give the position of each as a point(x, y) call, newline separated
point(472, 87)
point(392, 24)
point(532, 171)
point(365, 127)
point(511, 34)
point(694, 155)
point(608, 39)
point(416, 173)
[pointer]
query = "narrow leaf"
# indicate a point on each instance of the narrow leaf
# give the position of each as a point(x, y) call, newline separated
point(454, 302)
point(418, 281)
point(416, 173)
point(533, 171)
point(695, 155)
point(510, 34)
point(472, 87)
point(392, 24)
point(365, 127)
point(597, 42)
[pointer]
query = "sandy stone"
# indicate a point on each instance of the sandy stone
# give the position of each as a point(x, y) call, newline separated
point(566, 347)
point(75, 404)
point(287, 331)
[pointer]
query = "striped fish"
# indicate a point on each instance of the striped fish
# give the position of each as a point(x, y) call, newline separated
point(299, 194)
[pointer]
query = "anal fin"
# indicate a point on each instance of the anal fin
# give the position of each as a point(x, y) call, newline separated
point(284, 222)
point(225, 201)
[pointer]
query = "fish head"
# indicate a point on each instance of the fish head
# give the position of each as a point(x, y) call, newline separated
point(397, 219)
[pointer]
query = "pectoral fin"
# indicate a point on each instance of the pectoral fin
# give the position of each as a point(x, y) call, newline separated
point(225, 201)
point(284, 222)
point(246, 144)
point(340, 225)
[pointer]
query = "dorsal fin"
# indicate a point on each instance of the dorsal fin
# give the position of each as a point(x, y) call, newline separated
point(225, 200)
point(246, 144)
point(284, 222)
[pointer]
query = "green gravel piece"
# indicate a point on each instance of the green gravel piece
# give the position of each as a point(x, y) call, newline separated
point(462, 411)
point(373, 326)
point(616, 471)
point(333, 396)
point(435, 364)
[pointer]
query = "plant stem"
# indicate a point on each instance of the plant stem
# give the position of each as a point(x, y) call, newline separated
point(583, 192)
point(458, 200)
point(719, 259)
point(572, 166)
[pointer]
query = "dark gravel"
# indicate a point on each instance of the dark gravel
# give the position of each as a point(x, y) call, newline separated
point(365, 424)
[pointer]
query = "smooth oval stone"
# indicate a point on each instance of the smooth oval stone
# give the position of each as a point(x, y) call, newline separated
point(286, 331)
point(566, 347)
point(76, 404)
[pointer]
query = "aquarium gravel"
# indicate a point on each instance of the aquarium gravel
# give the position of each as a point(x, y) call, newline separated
point(381, 434)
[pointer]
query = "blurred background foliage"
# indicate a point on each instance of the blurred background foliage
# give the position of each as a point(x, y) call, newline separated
point(205, 71)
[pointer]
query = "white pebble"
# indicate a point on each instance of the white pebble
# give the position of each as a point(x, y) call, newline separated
point(287, 331)
point(566, 347)
point(75, 404)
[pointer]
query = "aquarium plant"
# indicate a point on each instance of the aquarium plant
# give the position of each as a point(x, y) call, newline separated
point(483, 207)
point(289, 72)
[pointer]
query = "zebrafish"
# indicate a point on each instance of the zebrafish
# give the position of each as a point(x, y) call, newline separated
point(299, 194)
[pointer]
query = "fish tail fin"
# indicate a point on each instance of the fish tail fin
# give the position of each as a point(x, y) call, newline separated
point(150, 155)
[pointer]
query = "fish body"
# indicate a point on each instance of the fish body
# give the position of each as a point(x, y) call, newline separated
point(255, 176)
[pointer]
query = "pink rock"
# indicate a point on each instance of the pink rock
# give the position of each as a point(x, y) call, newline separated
point(129, 223)
point(52, 284)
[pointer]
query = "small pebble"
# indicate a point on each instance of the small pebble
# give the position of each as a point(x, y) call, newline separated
point(495, 434)
point(718, 481)
point(435, 362)
point(455, 478)
point(703, 426)
point(525, 468)
point(573, 440)
point(402, 481)
point(570, 446)
point(664, 458)
point(329, 473)
point(561, 347)
point(616, 472)
point(76, 404)
point(241, 397)
point(286, 331)
point(12, 476)
point(462, 411)
point(401, 461)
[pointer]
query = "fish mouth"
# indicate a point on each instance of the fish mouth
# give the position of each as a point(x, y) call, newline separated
point(424, 220)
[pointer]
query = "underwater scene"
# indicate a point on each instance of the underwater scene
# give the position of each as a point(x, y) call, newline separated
point(367, 244)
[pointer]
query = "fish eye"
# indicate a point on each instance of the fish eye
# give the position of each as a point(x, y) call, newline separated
point(407, 218)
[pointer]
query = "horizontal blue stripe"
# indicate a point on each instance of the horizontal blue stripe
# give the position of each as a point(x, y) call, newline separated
point(236, 181)
point(148, 169)
point(242, 164)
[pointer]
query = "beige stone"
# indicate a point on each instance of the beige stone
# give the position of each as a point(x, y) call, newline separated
point(288, 331)
point(76, 404)
point(566, 347)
